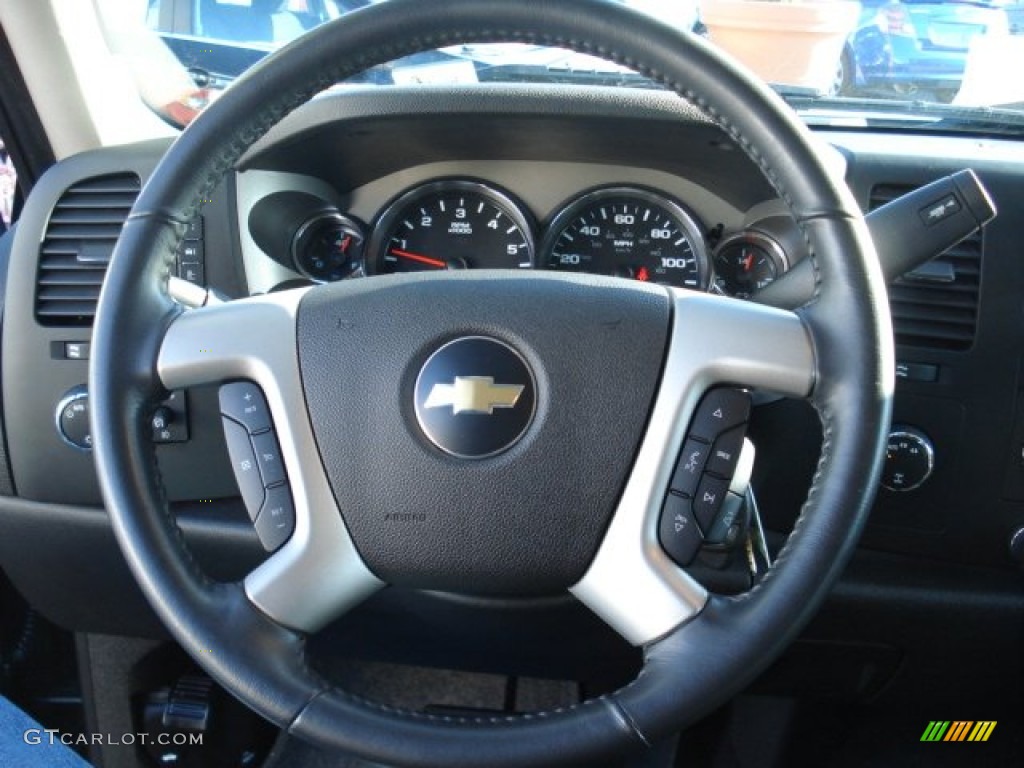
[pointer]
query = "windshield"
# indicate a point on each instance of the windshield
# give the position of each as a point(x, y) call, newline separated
point(923, 64)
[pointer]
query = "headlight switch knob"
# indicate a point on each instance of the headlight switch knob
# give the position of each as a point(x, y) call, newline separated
point(909, 459)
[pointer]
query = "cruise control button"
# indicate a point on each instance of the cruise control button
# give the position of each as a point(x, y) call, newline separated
point(719, 411)
point(726, 452)
point(680, 537)
point(243, 401)
point(726, 525)
point(708, 500)
point(689, 467)
point(268, 456)
point(276, 521)
point(243, 461)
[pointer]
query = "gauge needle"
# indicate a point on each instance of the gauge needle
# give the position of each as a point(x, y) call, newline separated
point(421, 259)
point(748, 262)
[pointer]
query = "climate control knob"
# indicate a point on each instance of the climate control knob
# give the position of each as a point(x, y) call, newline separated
point(909, 459)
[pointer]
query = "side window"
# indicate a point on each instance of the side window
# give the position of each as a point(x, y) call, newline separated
point(8, 189)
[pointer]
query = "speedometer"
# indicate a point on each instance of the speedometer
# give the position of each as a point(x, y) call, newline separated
point(628, 232)
point(452, 224)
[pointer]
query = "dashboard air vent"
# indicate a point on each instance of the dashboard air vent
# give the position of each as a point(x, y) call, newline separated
point(76, 248)
point(936, 305)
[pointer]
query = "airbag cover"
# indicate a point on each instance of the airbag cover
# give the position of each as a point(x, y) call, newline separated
point(528, 519)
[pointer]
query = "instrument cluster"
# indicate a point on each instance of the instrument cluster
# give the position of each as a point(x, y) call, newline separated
point(620, 230)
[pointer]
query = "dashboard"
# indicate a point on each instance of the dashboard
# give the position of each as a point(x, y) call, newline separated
point(634, 184)
point(612, 220)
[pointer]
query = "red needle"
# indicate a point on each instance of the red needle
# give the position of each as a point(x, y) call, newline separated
point(748, 262)
point(421, 259)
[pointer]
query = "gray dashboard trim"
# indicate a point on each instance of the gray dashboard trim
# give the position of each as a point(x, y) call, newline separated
point(353, 102)
point(351, 136)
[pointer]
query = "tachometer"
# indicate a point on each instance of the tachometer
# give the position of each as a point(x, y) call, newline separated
point(628, 232)
point(452, 224)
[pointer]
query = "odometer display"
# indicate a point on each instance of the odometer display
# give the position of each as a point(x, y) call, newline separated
point(628, 232)
point(452, 224)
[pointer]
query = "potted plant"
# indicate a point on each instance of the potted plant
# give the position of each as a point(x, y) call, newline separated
point(795, 43)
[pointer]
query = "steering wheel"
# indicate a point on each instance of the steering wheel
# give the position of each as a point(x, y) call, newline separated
point(345, 370)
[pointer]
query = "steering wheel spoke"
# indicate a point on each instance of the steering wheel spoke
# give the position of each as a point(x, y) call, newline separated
point(718, 340)
point(632, 583)
point(246, 339)
point(316, 574)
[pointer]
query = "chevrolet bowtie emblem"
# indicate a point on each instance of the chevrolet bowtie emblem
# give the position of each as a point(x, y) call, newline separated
point(474, 394)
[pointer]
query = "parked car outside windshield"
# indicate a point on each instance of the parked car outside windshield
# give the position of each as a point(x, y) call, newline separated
point(217, 40)
point(906, 56)
point(920, 47)
point(890, 60)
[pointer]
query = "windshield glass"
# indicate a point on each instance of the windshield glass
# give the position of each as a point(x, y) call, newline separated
point(943, 64)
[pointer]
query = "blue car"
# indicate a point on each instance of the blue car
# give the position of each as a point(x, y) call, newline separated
point(917, 47)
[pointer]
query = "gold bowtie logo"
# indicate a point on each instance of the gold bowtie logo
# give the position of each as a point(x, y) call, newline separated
point(474, 394)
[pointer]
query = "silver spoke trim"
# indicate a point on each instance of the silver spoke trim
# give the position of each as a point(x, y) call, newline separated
point(632, 584)
point(318, 574)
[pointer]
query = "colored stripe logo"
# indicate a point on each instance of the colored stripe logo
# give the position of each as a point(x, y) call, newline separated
point(958, 730)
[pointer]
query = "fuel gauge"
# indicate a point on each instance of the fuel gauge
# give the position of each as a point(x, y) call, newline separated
point(329, 247)
point(307, 234)
point(746, 262)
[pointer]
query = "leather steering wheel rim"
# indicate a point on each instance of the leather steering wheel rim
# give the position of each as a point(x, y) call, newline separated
point(687, 672)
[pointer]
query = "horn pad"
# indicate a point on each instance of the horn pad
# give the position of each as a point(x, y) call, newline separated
point(477, 429)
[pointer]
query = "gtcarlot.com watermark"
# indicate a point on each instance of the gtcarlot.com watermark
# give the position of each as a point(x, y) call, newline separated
point(51, 736)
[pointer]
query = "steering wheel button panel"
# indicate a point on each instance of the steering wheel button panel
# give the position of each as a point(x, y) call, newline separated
point(244, 402)
point(721, 410)
point(710, 494)
point(679, 533)
point(690, 466)
point(276, 520)
point(268, 457)
point(726, 525)
point(245, 465)
point(726, 452)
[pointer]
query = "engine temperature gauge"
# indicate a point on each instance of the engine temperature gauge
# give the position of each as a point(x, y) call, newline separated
point(328, 247)
point(747, 262)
